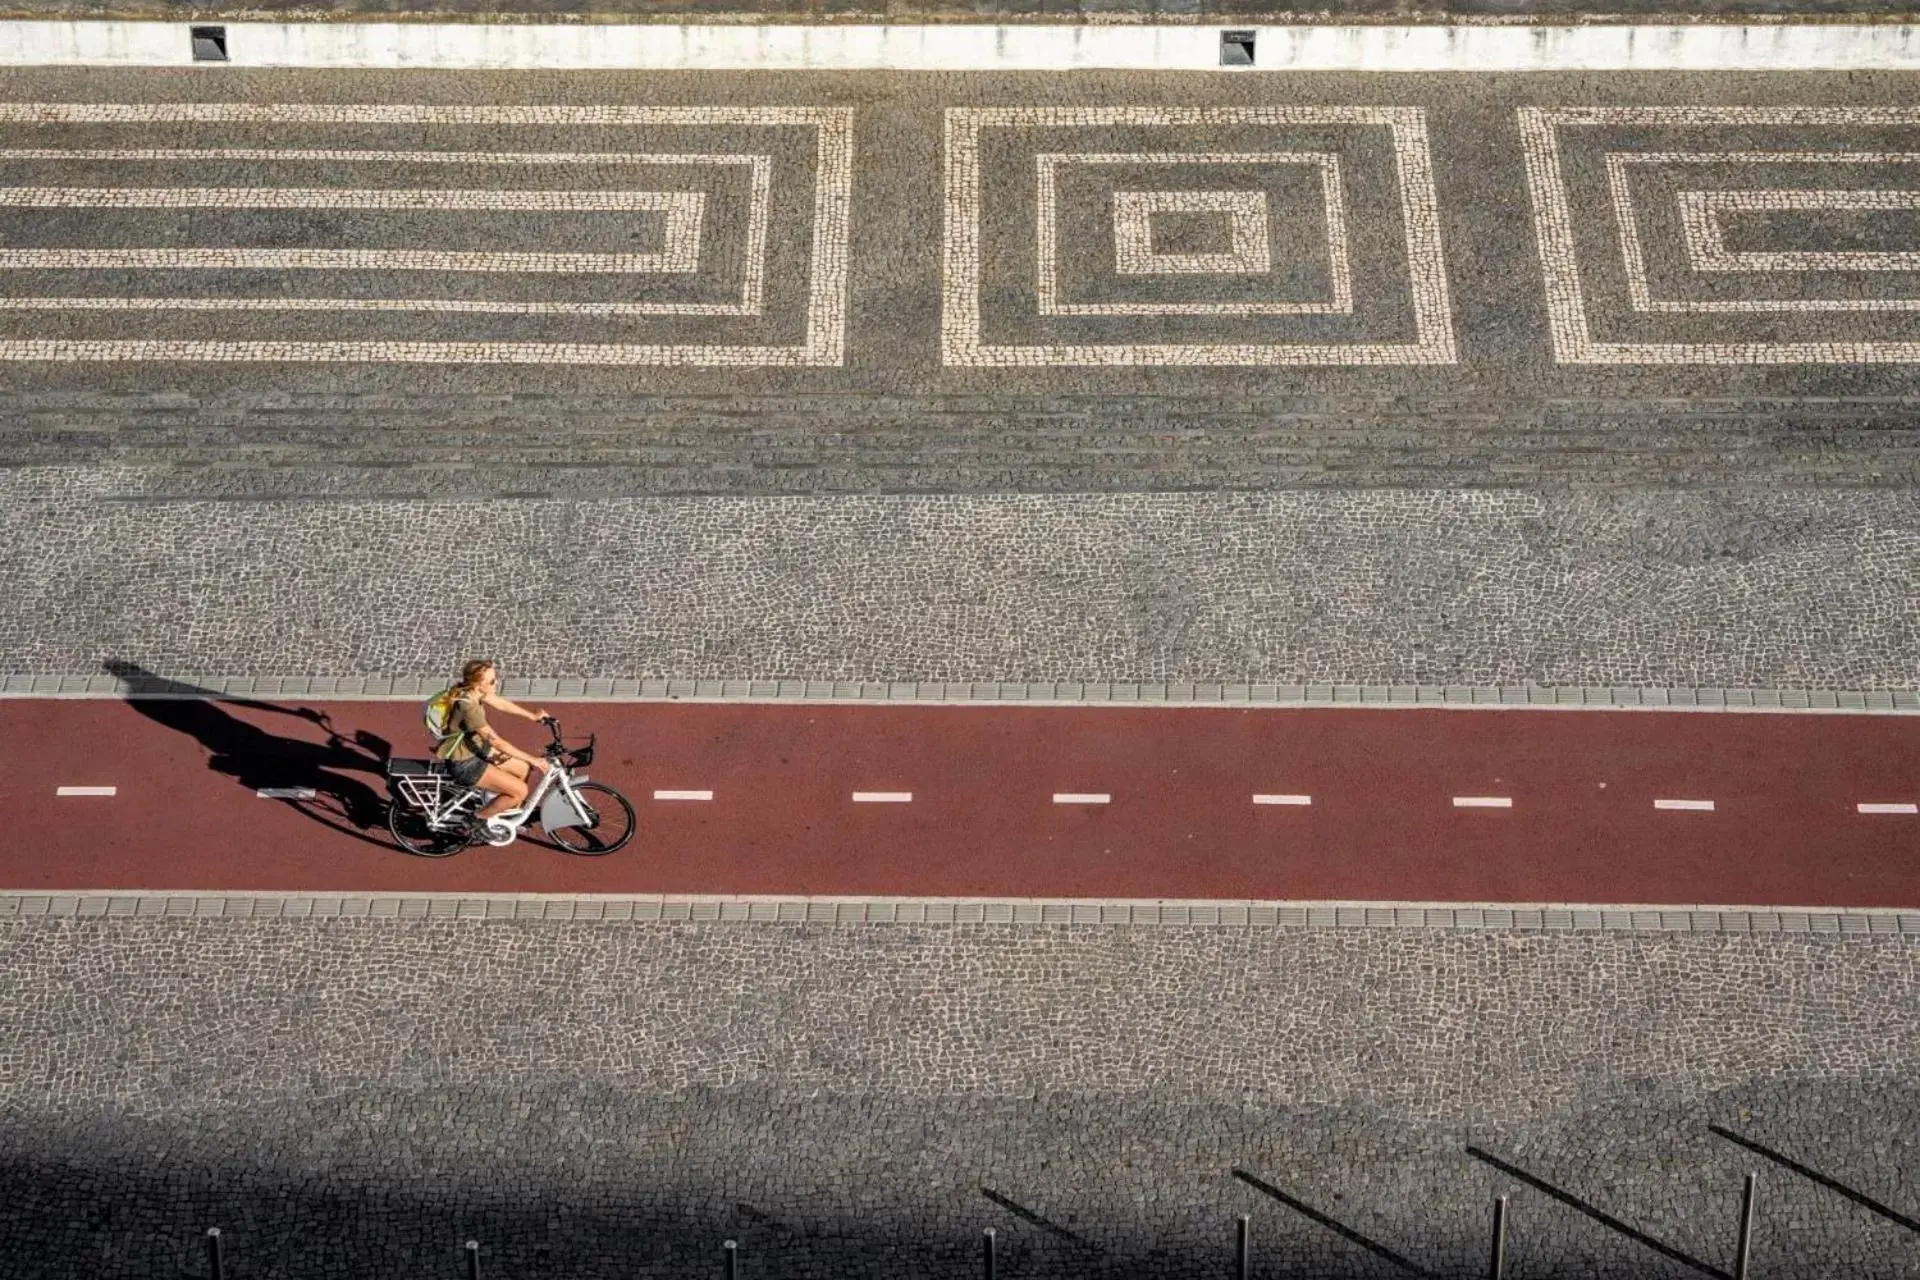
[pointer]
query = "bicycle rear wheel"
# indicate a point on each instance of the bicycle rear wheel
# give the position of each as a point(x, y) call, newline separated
point(610, 822)
point(412, 832)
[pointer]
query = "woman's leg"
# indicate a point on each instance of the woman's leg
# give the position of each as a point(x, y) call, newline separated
point(512, 791)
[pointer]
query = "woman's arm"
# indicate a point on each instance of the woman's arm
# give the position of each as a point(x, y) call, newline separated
point(497, 703)
point(497, 743)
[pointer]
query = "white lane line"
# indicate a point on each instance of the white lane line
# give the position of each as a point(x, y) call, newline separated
point(1081, 797)
point(85, 791)
point(1483, 802)
point(1283, 799)
point(883, 797)
point(1704, 806)
point(285, 793)
point(1889, 808)
point(683, 795)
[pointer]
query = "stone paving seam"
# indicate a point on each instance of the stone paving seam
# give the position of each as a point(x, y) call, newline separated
point(975, 693)
point(1223, 914)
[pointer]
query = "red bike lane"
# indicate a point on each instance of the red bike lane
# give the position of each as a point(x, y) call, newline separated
point(1268, 803)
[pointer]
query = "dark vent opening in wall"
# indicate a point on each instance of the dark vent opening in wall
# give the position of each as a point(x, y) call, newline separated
point(209, 44)
point(1236, 48)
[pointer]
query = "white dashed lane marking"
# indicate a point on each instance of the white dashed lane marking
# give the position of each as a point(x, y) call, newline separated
point(883, 797)
point(1483, 802)
point(285, 793)
point(86, 791)
point(1703, 806)
point(683, 795)
point(1258, 799)
point(1889, 808)
point(1081, 797)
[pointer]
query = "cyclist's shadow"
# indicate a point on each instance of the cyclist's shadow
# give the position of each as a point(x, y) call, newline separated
point(260, 760)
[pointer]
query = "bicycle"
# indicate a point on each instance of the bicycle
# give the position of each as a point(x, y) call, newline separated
point(435, 817)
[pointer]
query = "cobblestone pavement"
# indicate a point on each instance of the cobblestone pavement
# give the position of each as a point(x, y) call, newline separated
point(357, 1097)
point(1801, 590)
point(821, 425)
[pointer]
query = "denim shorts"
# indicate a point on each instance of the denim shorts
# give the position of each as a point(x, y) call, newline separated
point(467, 772)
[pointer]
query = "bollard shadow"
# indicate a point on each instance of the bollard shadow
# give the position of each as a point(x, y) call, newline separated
point(1046, 1224)
point(1604, 1219)
point(260, 760)
point(1815, 1176)
point(1340, 1229)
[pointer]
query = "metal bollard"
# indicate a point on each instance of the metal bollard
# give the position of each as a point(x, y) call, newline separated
point(1243, 1248)
point(214, 1268)
point(473, 1260)
point(1497, 1268)
point(1745, 1247)
point(986, 1255)
point(732, 1250)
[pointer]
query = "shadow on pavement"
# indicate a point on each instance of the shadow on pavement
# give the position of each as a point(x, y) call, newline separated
point(1604, 1219)
point(260, 760)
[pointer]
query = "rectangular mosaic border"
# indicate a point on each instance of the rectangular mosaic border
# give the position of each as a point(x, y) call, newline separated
point(824, 341)
point(935, 692)
point(655, 908)
point(963, 342)
point(1569, 318)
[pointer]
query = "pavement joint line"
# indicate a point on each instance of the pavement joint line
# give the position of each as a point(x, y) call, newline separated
point(1082, 797)
point(1701, 806)
point(683, 795)
point(1291, 45)
point(1889, 808)
point(213, 905)
point(85, 791)
point(1483, 802)
point(1174, 694)
point(883, 797)
point(1282, 800)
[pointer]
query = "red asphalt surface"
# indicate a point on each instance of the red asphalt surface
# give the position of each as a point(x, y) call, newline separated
point(1785, 830)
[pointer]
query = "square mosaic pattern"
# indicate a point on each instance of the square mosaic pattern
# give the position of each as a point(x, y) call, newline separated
point(1245, 212)
point(1134, 304)
point(689, 241)
point(1728, 235)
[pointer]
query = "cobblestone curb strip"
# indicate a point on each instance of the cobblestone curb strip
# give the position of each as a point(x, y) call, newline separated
point(1042, 693)
point(654, 908)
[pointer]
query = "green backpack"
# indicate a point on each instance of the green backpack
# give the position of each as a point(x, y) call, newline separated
point(436, 713)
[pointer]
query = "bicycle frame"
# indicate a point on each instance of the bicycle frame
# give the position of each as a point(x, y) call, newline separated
point(504, 827)
point(554, 799)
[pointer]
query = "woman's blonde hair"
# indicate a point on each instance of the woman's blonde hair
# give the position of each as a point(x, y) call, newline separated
point(471, 673)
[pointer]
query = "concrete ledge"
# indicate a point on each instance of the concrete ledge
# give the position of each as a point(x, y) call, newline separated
point(1036, 693)
point(695, 908)
point(1710, 46)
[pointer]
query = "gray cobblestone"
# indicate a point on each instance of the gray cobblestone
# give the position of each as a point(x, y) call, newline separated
point(352, 1097)
point(1790, 590)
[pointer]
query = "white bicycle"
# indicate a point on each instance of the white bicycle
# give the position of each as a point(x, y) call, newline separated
point(433, 816)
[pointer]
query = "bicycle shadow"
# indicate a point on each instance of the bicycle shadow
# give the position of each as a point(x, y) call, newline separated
point(259, 760)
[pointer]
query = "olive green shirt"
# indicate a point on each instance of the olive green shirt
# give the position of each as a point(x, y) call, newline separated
point(465, 720)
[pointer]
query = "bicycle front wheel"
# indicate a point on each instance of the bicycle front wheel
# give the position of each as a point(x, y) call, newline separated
point(609, 824)
point(412, 832)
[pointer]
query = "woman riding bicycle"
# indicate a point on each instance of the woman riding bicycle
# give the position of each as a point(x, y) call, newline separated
point(476, 754)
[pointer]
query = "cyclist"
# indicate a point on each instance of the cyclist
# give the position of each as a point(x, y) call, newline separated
point(475, 753)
